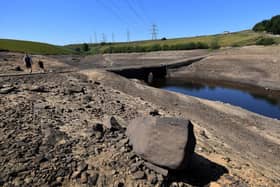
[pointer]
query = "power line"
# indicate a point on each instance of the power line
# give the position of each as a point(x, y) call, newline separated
point(135, 12)
point(154, 32)
point(113, 11)
point(142, 10)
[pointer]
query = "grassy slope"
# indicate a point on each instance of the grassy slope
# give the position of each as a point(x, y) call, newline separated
point(242, 38)
point(234, 39)
point(32, 47)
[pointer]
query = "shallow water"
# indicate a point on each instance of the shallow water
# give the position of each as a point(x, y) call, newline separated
point(258, 103)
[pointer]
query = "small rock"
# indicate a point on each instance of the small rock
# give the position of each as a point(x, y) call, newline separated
point(227, 159)
point(115, 123)
point(38, 89)
point(7, 90)
point(123, 142)
point(27, 180)
point(82, 167)
point(59, 179)
point(99, 135)
point(133, 169)
point(114, 172)
point(152, 179)
point(174, 184)
point(96, 151)
point(137, 164)
point(97, 83)
point(55, 184)
point(203, 134)
point(84, 177)
point(214, 184)
point(157, 169)
point(1, 182)
point(40, 159)
point(154, 113)
point(92, 180)
point(18, 68)
point(18, 182)
point(98, 127)
point(118, 184)
point(138, 175)
point(76, 174)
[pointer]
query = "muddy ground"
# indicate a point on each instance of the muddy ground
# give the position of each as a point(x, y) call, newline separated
point(50, 132)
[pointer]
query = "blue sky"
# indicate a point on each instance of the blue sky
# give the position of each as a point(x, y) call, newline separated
point(74, 21)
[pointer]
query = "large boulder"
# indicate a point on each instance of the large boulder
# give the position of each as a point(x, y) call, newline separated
point(166, 142)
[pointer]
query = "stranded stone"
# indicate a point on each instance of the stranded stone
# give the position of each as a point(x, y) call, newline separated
point(115, 123)
point(7, 90)
point(166, 142)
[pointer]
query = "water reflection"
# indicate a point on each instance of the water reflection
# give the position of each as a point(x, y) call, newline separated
point(261, 103)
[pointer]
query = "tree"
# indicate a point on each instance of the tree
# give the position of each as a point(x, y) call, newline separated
point(262, 26)
point(275, 25)
point(85, 47)
point(271, 26)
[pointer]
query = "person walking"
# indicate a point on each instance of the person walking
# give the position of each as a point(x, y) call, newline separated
point(27, 60)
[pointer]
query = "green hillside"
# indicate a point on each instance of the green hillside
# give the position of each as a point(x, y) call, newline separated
point(32, 47)
point(236, 39)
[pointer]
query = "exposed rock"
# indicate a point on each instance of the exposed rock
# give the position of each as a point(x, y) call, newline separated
point(138, 175)
point(38, 89)
point(84, 177)
point(7, 90)
point(167, 142)
point(157, 169)
point(154, 113)
point(82, 167)
point(115, 123)
point(98, 127)
point(92, 180)
point(135, 166)
point(18, 68)
point(74, 89)
point(152, 179)
point(203, 134)
point(118, 184)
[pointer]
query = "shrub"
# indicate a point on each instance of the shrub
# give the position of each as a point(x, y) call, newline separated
point(85, 47)
point(215, 44)
point(201, 45)
point(265, 41)
point(165, 47)
point(155, 47)
point(236, 45)
point(78, 49)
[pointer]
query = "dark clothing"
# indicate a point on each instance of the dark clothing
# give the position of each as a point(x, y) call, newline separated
point(28, 61)
point(41, 64)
